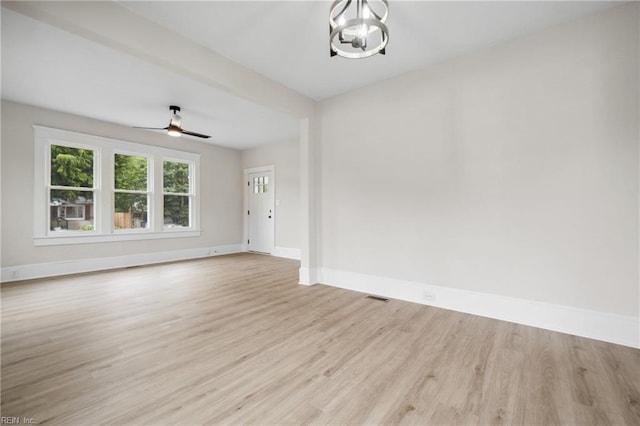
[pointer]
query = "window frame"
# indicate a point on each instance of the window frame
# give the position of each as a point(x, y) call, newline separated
point(104, 188)
point(148, 192)
point(50, 187)
point(190, 194)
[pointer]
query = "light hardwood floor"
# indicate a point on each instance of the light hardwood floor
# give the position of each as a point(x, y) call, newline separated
point(235, 340)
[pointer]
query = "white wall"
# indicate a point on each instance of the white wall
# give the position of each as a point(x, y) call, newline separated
point(221, 193)
point(285, 156)
point(512, 172)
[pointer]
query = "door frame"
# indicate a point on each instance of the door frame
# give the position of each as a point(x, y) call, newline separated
point(245, 219)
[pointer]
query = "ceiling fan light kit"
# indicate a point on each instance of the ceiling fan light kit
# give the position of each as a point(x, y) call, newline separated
point(174, 131)
point(357, 28)
point(174, 124)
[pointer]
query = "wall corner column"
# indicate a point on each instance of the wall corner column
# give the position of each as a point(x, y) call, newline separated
point(309, 200)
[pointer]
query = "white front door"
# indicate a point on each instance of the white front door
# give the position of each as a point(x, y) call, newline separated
point(261, 211)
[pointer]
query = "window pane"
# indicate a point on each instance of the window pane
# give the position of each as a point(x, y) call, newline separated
point(176, 211)
point(175, 177)
point(130, 172)
point(71, 166)
point(71, 210)
point(130, 211)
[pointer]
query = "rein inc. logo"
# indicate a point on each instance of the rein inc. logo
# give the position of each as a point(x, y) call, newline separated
point(16, 420)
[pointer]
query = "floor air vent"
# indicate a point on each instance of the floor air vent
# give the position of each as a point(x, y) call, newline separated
point(379, 298)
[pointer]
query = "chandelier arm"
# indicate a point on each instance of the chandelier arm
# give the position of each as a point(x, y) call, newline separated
point(332, 21)
point(373, 12)
point(382, 18)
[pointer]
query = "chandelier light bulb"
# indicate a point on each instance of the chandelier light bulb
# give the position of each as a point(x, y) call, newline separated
point(363, 31)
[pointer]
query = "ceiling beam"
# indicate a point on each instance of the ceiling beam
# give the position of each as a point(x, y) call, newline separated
point(115, 26)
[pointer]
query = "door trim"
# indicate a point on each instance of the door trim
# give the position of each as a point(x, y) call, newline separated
point(245, 218)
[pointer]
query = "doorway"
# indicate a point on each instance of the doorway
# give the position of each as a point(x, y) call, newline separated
point(260, 210)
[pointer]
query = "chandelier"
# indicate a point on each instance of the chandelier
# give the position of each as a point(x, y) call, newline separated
point(357, 28)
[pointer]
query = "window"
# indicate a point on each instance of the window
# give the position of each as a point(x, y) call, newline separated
point(70, 212)
point(177, 194)
point(131, 195)
point(93, 189)
point(260, 184)
point(71, 189)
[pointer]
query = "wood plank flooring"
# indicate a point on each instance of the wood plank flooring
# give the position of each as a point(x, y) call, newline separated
point(235, 340)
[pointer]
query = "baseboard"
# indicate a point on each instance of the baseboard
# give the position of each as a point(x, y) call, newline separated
point(308, 276)
point(619, 329)
point(286, 252)
point(42, 270)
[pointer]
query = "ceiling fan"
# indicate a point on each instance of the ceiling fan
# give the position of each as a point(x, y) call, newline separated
point(174, 128)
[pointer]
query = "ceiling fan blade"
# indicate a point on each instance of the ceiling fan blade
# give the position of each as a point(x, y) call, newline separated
point(174, 128)
point(198, 135)
point(151, 128)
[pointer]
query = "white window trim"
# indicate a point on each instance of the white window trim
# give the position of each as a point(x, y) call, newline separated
point(191, 194)
point(104, 151)
point(46, 167)
point(147, 192)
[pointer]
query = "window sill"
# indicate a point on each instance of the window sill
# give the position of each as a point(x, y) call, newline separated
point(116, 237)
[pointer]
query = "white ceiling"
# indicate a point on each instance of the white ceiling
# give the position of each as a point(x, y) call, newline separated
point(47, 67)
point(288, 41)
point(285, 41)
